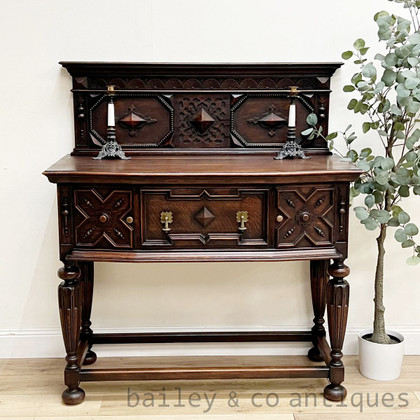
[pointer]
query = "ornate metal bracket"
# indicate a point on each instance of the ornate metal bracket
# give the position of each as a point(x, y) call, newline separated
point(291, 148)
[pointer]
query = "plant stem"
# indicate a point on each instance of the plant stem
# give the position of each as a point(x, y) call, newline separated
point(379, 334)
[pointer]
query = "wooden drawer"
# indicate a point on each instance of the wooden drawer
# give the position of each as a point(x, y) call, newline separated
point(308, 216)
point(204, 217)
point(103, 218)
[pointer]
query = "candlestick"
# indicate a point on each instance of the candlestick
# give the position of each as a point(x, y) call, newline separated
point(291, 148)
point(111, 148)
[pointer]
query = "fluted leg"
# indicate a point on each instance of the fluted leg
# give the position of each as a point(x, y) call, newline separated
point(337, 308)
point(319, 278)
point(87, 275)
point(70, 304)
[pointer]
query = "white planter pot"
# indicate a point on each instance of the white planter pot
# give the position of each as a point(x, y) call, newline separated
point(381, 362)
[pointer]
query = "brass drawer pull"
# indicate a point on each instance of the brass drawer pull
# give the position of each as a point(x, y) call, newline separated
point(279, 218)
point(242, 218)
point(166, 218)
point(129, 220)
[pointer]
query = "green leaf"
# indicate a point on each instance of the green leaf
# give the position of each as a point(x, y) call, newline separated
point(411, 156)
point(347, 55)
point(408, 243)
point(369, 201)
point(403, 217)
point(366, 127)
point(411, 229)
point(307, 131)
point(361, 213)
point(348, 88)
point(352, 104)
point(411, 83)
point(358, 44)
point(395, 110)
point(312, 119)
point(387, 163)
point(379, 197)
point(383, 216)
point(414, 260)
point(370, 224)
point(404, 191)
point(362, 164)
point(416, 190)
point(391, 59)
point(389, 77)
point(403, 176)
point(382, 177)
point(331, 136)
point(413, 139)
point(393, 222)
point(364, 153)
point(369, 70)
point(400, 235)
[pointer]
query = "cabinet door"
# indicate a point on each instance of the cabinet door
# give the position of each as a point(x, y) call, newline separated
point(204, 217)
point(307, 214)
point(103, 218)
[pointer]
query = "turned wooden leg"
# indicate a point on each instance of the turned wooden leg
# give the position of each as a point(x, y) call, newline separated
point(86, 277)
point(70, 304)
point(319, 278)
point(337, 308)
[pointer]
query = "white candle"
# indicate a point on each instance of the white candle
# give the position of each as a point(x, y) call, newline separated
point(292, 115)
point(111, 114)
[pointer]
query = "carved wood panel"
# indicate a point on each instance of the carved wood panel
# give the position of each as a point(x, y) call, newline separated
point(142, 120)
point(101, 218)
point(204, 217)
point(308, 216)
point(201, 120)
point(261, 120)
point(197, 106)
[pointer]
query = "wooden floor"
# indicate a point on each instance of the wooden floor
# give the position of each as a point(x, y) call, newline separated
point(31, 389)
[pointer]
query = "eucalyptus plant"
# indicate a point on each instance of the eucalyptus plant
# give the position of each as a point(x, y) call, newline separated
point(386, 91)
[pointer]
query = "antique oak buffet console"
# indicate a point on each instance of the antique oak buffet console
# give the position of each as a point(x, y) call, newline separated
point(201, 185)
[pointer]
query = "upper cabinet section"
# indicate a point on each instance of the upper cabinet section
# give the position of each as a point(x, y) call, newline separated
point(223, 108)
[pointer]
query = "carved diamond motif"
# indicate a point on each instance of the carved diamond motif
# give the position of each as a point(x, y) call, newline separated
point(204, 216)
point(269, 120)
point(202, 121)
point(134, 120)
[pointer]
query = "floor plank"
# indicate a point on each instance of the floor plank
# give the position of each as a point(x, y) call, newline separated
point(31, 389)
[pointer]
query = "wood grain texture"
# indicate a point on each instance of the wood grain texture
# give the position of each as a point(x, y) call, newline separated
point(198, 170)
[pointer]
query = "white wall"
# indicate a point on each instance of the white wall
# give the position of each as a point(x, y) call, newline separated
point(36, 123)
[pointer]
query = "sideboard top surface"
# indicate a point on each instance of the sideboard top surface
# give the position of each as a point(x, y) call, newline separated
point(247, 168)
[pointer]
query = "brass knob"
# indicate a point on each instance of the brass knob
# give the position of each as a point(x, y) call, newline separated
point(279, 218)
point(103, 218)
point(129, 220)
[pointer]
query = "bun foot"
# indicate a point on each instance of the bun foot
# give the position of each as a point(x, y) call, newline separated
point(335, 392)
point(90, 358)
point(314, 355)
point(74, 396)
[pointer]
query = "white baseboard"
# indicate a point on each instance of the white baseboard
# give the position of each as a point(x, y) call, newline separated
point(37, 343)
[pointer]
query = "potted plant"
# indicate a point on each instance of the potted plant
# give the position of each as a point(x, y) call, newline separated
point(386, 91)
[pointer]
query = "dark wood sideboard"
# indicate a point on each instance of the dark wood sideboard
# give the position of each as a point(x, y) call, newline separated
point(201, 186)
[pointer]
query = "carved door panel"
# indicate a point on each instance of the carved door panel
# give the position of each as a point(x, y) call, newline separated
point(308, 216)
point(103, 218)
point(210, 218)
